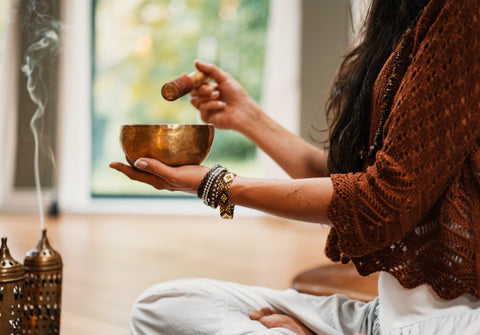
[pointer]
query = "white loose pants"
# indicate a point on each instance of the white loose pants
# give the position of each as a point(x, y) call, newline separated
point(211, 307)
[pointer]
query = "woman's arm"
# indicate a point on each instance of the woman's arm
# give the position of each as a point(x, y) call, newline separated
point(293, 154)
point(227, 105)
point(298, 199)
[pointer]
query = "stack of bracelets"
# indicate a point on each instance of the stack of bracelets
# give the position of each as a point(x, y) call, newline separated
point(213, 190)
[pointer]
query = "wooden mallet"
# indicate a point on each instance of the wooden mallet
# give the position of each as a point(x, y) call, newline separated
point(180, 86)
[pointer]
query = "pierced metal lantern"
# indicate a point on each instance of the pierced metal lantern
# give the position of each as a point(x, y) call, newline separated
point(12, 282)
point(43, 289)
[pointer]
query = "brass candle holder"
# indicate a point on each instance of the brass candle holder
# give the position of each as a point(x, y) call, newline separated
point(12, 282)
point(43, 289)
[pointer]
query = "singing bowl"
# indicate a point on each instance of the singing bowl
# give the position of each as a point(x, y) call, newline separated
point(172, 144)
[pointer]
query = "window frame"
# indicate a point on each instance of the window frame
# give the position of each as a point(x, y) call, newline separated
point(76, 101)
point(75, 108)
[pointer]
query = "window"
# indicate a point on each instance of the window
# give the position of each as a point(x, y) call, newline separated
point(74, 155)
point(139, 45)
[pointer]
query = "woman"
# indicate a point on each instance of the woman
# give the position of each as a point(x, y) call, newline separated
point(400, 186)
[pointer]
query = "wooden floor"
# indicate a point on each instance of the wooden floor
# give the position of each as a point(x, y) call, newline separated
point(110, 259)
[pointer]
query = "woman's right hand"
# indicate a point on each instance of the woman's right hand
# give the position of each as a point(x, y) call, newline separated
point(227, 105)
point(224, 103)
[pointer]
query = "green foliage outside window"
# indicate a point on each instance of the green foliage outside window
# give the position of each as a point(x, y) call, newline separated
point(141, 44)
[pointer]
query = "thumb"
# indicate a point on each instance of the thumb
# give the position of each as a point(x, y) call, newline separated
point(151, 165)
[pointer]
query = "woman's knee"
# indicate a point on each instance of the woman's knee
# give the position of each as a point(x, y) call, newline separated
point(165, 305)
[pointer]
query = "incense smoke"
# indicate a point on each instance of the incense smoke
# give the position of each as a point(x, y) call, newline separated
point(42, 32)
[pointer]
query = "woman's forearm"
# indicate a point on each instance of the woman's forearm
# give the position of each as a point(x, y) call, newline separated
point(296, 156)
point(297, 199)
point(305, 199)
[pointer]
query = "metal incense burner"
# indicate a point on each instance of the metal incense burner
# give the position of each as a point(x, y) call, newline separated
point(43, 288)
point(12, 282)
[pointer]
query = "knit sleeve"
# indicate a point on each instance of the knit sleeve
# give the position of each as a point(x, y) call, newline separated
point(433, 125)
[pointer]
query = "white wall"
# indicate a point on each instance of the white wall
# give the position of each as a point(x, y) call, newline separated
point(281, 94)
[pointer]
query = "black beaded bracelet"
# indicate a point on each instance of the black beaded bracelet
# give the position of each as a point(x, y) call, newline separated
point(201, 187)
point(211, 180)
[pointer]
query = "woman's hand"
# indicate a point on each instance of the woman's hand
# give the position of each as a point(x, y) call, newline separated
point(273, 319)
point(163, 177)
point(225, 103)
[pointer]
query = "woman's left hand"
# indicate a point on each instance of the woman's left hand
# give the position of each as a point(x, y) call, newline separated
point(163, 177)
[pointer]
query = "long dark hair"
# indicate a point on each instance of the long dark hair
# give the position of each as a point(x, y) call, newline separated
point(349, 103)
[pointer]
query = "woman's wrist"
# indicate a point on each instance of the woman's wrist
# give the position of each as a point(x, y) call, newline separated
point(254, 122)
point(214, 190)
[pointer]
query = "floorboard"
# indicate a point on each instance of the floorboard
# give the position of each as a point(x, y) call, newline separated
point(110, 259)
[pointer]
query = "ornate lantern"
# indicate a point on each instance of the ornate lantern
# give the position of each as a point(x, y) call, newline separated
point(43, 289)
point(12, 282)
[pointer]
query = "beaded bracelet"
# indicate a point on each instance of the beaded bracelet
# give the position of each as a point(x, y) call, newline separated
point(214, 190)
point(201, 187)
point(204, 181)
point(226, 208)
point(212, 199)
point(208, 181)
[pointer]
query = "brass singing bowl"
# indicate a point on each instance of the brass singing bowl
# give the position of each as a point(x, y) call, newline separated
point(172, 144)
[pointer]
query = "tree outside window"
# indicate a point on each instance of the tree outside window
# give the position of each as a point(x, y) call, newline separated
point(141, 44)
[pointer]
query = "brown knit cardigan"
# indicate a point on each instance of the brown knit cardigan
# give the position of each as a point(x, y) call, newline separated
point(414, 211)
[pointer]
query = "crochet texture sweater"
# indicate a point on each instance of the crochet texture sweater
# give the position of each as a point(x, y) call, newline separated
point(414, 211)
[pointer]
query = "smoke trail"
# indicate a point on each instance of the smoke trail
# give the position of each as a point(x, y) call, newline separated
point(42, 31)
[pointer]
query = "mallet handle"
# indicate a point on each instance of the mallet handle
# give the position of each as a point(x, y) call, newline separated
point(180, 86)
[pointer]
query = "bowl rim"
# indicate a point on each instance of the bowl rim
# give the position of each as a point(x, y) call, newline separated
point(168, 125)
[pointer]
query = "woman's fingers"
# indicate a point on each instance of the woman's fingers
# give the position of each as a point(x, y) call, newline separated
point(273, 319)
point(205, 90)
point(255, 315)
point(140, 176)
point(265, 311)
point(144, 168)
point(163, 177)
point(203, 96)
point(268, 311)
point(211, 70)
point(213, 105)
point(126, 170)
point(198, 102)
point(211, 111)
